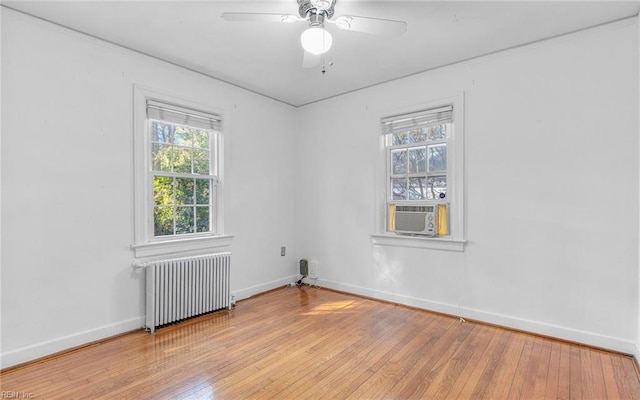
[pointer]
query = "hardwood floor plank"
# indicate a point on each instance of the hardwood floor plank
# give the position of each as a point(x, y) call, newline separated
point(575, 374)
point(376, 373)
point(451, 371)
point(592, 374)
point(528, 367)
point(397, 366)
point(471, 365)
point(611, 385)
point(486, 367)
point(337, 371)
point(430, 351)
point(519, 377)
point(500, 385)
point(564, 372)
point(542, 372)
point(623, 376)
point(553, 374)
point(275, 377)
point(430, 372)
point(316, 344)
point(349, 374)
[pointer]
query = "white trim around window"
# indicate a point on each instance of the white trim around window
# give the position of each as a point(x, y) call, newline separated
point(145, 244)
point(456, 240)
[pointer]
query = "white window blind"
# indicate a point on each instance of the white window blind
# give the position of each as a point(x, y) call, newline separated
point(181, 116)
point(404, 122)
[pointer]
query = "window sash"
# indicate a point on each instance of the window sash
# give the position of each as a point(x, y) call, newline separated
point(194, 205)
point(182, 116)
point(416, 144)
point(211, 205)
point(404, 122)
point(211, 150)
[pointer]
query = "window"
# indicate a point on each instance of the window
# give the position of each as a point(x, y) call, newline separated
point(183, 170)
point(417, 152)
point(423, 171)
point(178, 180)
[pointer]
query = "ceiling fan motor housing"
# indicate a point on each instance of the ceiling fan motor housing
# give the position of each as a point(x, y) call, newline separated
point(316, 7)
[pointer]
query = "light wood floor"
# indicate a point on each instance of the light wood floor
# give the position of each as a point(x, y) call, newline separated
point(299, 343)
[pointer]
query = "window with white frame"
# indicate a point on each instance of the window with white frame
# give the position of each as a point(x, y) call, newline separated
point(178, 181)
point(417, 154)
point(183, 169)
point(423, 156)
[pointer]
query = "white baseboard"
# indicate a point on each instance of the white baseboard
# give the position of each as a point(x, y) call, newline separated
point(536, 327)
point(264, 287)
point(39, 350)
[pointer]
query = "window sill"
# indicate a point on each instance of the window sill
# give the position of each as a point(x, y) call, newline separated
point(166, 247)
point(389, 239)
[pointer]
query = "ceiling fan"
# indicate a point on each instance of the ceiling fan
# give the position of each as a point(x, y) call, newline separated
point(316, 40)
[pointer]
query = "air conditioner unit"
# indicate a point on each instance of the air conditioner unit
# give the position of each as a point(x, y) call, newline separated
point(425, 220)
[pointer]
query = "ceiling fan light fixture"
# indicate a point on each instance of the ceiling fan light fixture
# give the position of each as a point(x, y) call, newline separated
point(316, 40)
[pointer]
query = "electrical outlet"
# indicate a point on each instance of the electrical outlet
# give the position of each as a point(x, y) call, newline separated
point(283, 251)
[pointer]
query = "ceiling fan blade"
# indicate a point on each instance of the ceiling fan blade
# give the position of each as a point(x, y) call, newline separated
point(311, 60)
point(259, 17)
point(374, 26)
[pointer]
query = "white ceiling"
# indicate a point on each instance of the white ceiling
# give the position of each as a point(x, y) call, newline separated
point(267, 57)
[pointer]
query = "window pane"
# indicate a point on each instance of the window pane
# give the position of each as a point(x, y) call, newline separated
point(162, 221)
point(399, 138)
point(438, 132)
point(417, 188)
point(184, 191)
point(202, 219)
point(399, 188)
point(161, 156)
point(203, 190)
point(201, 139)
point(438, 158)
point(436, 187)
point(201, 162)
point(399, 161)
point(182, 159)
point(417, 159)
point(183, 136)
point(162, 132)
point(162, 190)
point(418, 135)
point(184, 220)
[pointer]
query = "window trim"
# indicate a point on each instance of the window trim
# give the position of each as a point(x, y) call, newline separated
point(145, 244)
point(455, 182)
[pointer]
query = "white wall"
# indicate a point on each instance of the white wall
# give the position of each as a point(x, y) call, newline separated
point(551, 185)
point(67, 188)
